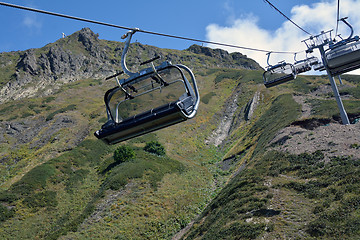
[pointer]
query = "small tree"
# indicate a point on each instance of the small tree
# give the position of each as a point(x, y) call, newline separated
point(155, 147)
point(123, 154)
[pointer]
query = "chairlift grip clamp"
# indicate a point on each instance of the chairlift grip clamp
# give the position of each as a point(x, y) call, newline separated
point(128, 36)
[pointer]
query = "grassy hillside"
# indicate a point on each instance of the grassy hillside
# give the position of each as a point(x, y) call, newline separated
point(59, 182)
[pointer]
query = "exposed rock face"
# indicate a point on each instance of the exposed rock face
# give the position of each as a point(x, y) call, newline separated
point(227, 117)
point(57, 65)
point(251, 106)
point(83, 55)
point(28, 62)
point(231, 118)
point(236, 59)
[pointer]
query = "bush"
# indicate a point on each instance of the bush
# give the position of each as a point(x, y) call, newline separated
point(41, 199)
point(6, 213)
point(123, 154)
point(155, 148)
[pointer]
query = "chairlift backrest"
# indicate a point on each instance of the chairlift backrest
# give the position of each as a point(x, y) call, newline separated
point(278, 74)
point(343, 56)
point(302, 66)
point(154, 98)
point(313, 61)
point(146, 92)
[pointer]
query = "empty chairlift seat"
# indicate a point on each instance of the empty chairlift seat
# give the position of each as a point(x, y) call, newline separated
point(302, 66)
point(148, 102)
point(344, 57)
point(278, 74)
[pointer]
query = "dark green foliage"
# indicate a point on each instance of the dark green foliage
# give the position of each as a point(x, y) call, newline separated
point(335, 185)
point(124, 154)
point(41, 199)
point(6, 196)
point(33, 180)
point(70, 107)
point(75, 178)
point(354, 91)
point(304, 84)
point(206, 99)
point(283, 111)
point(5, 213)
point(154, 166)
point(155, 147)
point(351, 78)
point(329, 108)
point(239, 75)
point(228, 74)
point(48, 99)
point(236, 202)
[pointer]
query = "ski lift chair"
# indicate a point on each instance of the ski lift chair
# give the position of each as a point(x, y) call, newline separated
point(307, 64)
point(278, 74)
point(344, 56)
point(302, 66)
point(152, 99)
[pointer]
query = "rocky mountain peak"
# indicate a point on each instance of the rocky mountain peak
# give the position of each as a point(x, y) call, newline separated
point(86, 36)
point(28, 62)
point(224, 55)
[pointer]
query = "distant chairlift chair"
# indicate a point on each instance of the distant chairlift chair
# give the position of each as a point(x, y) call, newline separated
point(306, 64)
point(278, 74)
point(152, 99)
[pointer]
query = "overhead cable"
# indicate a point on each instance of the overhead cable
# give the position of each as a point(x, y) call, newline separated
point(139, 30)
point(287, 18)
point(337, 17)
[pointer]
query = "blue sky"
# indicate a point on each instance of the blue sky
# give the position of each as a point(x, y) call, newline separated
point(240, 22)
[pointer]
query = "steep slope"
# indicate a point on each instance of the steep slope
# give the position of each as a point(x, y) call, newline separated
point(295, 179)
point(232, 165)
point(57, 180)
point(83, 55)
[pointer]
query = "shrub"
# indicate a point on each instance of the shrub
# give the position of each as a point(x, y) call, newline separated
point(5, 213)
point(41, 199)
point(206, 99)
point(123, 154)
point(155, 148)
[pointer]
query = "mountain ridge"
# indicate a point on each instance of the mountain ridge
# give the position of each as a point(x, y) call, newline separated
point(233, 172)
point(84, 55)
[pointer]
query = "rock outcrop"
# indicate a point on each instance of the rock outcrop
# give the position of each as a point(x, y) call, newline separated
point(83, 55)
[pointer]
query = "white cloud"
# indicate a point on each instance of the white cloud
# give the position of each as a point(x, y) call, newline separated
point(245, 31)
point(32, 22)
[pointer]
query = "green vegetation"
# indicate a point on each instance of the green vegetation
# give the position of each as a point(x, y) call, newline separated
point(282, 112)
point(123, 154)
point(306, 84)
point(71, 107)
point(155, 148)
point(226, 214)
point(329, 109)
point(239, 211)
point(58, 182)
point(6, 213)
point(73, 170)
point(206, 99)
point(236, 75)
point(334, 186)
